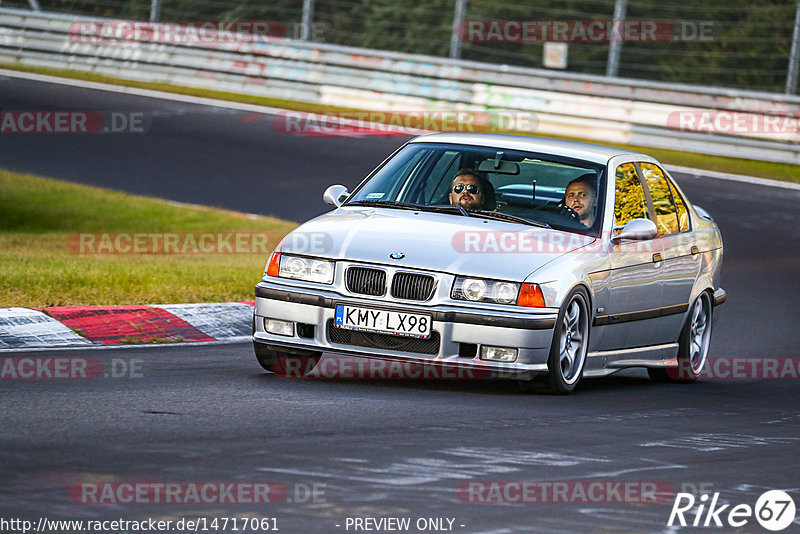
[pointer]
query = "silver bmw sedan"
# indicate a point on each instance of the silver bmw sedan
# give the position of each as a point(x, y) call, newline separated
point(539, 260)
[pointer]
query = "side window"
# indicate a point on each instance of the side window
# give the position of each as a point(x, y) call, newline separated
point(683, 213)
point(629, 200)
point(663, 205)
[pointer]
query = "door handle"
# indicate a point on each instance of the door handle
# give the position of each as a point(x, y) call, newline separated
point(695, 251)
point(657, 257)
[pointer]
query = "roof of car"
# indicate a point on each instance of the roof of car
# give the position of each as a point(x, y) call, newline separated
point(572, 149)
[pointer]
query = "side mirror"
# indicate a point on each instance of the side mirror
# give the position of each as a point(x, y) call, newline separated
point(636, 230)
point(335, 195)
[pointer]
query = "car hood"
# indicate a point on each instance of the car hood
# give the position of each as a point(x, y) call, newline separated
point(432, 241)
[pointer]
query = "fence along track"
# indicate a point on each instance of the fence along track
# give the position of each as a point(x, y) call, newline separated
point(609, 110)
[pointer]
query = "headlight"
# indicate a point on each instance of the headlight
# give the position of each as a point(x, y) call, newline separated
point(479, 290)
point(300, 268)
point(473, 289)
point(497, 292)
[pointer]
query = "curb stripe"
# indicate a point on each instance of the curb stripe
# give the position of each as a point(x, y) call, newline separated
point(218, 320)
point(24, 328)
point(126, 324)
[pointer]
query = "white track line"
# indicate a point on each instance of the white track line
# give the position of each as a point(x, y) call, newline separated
point(699, 173)
point(149, 93)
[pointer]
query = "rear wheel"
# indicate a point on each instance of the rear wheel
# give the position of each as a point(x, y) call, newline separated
point(292, 365)
point(693, 345)
point(568, 349)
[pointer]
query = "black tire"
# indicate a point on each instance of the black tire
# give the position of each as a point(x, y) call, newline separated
point(693, 344)
point(568, 349)
point(284, 363)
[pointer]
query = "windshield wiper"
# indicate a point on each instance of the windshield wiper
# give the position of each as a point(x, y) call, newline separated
point(410, 206)
point(387, 204)
point(512, 218)
point(448, 208)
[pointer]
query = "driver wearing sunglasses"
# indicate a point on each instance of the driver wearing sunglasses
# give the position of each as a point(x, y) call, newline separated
point(467, 190)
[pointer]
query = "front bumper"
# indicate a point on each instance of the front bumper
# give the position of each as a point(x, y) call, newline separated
point(720, 296)
point(458, 331)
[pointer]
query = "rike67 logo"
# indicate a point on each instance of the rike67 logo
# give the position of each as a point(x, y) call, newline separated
point(774, 510)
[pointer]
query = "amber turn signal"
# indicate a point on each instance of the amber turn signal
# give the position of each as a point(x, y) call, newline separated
point(274, 265)
point(530, 295)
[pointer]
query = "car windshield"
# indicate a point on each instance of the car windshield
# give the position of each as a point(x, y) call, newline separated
point(510, 185)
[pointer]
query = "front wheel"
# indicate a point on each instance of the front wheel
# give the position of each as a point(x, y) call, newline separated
point(693, 345)
point(569, 347)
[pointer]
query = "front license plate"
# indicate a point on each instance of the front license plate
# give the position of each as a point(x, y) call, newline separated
point(383, 321)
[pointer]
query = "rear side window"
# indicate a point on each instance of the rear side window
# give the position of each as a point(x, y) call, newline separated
point(683, 214)
point(663, 204)
point(629, 200)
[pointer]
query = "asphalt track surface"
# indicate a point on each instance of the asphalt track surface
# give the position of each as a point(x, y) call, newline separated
point(384, 448)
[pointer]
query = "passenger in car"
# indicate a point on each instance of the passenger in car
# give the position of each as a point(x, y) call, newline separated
point(581, 196)
point(472, 191)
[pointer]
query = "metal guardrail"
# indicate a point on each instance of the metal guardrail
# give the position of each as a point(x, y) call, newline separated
point(610, 110)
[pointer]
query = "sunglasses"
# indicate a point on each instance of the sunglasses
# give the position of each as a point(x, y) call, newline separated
point(471, 188)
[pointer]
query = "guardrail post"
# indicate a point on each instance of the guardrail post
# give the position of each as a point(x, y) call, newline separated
point(155, 10)
point(794, 56)
point(34, 5)
point(615, 45)
point(308, 18)
point(455, 37)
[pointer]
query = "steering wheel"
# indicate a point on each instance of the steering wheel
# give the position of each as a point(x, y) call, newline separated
point(568, 213)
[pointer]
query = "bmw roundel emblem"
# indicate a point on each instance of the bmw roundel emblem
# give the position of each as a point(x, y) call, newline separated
point(397, 255)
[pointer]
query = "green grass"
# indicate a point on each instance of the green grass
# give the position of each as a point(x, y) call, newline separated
point(775, 171)
point(40, 217)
